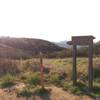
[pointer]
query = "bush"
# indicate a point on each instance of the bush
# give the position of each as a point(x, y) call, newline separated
point(66, 86)
point(79, 89)
point(55, 79)
point(33, 79)
point(41, 91)
point(24, 93)
point(7, 81)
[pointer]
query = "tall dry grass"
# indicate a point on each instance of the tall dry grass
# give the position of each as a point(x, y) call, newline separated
point(8, 66)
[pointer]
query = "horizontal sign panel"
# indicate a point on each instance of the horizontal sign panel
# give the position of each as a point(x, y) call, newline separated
point(81, 40)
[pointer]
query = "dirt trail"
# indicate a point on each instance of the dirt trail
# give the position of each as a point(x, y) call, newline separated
point(59, 94)
point(55, 94)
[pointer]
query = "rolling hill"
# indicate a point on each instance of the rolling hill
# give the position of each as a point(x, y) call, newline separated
point(25, 47)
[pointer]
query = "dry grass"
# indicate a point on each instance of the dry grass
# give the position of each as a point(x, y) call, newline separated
point(8, 66)
point(60, 72)
point(65, 66)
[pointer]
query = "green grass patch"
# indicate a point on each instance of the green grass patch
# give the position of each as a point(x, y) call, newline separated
point(79, 89)
point(26, 92)
point(7, 81)
point(55, 79)
point(33, 79)
point(41, 91)
point(82, 89)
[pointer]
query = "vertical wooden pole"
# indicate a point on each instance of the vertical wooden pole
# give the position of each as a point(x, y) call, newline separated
point(90, 67)
point(42, 76)
point(74, 65)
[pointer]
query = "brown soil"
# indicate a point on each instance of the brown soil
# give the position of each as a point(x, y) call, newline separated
point(55, 94)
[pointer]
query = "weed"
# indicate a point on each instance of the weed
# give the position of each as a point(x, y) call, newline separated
point(24, 93)
point(55, 79)
point(41, 91)
point(33, 79)
point(7, 81)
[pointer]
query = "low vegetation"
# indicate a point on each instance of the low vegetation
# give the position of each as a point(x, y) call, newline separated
point(26, 92)
point(7, 81)
point(33, 79)
point(57, 72)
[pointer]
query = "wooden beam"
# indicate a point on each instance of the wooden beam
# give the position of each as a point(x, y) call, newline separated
point(42, 70)
point(74, 66)
point(90, 67)
point(83, 40)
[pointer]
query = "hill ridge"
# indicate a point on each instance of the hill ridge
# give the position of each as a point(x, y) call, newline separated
point(25, 47)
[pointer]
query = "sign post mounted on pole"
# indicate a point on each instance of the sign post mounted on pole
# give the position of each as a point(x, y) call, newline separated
point(83, 40)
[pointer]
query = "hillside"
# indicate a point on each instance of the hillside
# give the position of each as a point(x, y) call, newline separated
point(25, 47)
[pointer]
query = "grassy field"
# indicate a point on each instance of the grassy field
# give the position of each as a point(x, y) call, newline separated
point(57, 73)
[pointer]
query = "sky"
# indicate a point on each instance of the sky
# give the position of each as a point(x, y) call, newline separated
point(53, 20)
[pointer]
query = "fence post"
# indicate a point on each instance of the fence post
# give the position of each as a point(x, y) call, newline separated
point(42, 68)
point(90, 67)
point(74, 65)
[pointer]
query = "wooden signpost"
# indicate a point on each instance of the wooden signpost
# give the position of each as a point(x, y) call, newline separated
point(42, 68)
point(83, 40)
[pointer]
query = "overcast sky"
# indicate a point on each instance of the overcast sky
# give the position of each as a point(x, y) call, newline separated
point(53, 20)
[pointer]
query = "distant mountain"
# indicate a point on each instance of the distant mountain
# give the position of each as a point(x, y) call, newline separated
point(25, 47)
point(63, 44)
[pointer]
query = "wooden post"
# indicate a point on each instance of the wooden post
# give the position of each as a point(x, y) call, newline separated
point(90, 67)
point(83, 40)
point(42, 76)
point(74, 65)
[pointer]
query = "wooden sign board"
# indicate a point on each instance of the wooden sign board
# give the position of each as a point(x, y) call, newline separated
point(81, 40)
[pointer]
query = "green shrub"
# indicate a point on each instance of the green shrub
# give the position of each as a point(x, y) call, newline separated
point(78, 89)
point(24, 93)
point(66, 86)
point(7, 81)
point(41, 91)
point(55, 79)
point(33, 79)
